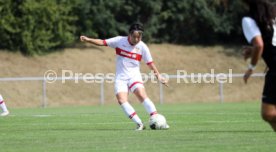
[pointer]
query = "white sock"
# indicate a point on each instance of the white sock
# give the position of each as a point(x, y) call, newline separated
point(149, 106)
point(2, 104)
point(130, 112)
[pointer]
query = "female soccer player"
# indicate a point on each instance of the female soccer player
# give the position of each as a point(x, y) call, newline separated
point(259, 28)
point(3, 107)
point(130, 51)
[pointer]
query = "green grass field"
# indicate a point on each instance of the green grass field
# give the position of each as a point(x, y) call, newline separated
point(230, 127)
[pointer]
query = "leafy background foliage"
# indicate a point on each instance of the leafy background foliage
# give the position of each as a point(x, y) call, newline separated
point(42, 26)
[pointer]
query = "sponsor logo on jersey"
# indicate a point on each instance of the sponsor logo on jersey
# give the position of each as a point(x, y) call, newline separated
point(127, 54)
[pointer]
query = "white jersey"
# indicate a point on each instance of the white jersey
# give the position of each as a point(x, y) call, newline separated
point(250, 29)
point(128, 56)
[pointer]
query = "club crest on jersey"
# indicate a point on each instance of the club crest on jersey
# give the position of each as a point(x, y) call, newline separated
point(137, 50)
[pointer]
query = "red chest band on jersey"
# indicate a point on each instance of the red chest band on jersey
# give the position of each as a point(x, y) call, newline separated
point(127, 54)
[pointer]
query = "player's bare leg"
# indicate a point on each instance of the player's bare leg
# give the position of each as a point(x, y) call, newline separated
point(122, 98)
point(269, 114)
point(143, 98)
point(141, 94)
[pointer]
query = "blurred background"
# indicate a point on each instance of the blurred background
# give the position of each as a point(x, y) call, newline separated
point(41, 26)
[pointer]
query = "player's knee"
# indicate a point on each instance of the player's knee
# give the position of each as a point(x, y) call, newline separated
point(141, 97)
point(140, 92)
point(269, 116)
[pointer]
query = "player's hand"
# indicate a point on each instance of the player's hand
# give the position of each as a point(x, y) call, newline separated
point(83, 38)
point(247, 52)
point(247, 75)
point(163, 80)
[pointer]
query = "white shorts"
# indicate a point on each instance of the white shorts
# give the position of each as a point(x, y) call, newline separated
point(128, 84)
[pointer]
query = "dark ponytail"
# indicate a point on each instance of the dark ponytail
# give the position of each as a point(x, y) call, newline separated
point(263, 12)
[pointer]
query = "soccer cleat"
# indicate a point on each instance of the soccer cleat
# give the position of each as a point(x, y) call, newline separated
point(166, 126)
point(140, 127)
point(5, 113)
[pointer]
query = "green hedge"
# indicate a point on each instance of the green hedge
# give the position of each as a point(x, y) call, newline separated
point(36, 26)
point(42, 26)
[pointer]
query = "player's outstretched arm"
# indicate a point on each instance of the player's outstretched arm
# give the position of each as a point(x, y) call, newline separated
point(158, 75)
point(98, 42)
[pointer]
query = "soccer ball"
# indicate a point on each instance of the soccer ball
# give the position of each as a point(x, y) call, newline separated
point(158, 122)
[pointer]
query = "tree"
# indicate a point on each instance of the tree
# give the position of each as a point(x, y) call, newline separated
point(37, 26)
